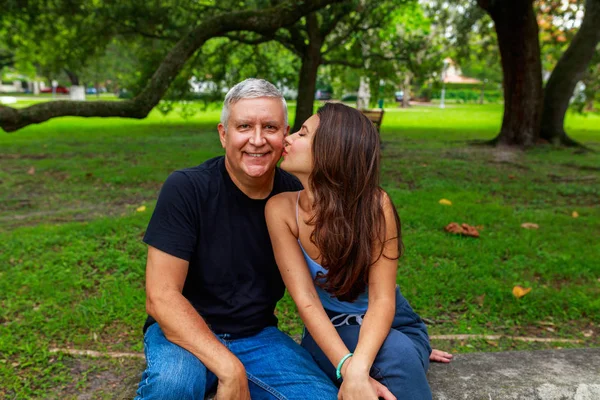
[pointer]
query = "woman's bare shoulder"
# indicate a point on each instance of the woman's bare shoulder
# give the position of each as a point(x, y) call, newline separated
point(282, 203)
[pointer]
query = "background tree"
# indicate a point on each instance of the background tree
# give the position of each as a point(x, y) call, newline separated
point(219, 22)
point(526, 114)
point(347, 34)
point(570, 69)
point(517, 32)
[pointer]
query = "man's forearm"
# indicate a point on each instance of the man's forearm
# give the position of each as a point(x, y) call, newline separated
point(182, 325)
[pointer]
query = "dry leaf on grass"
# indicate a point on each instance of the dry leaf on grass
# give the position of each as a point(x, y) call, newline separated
point(529, 225)
point(519, 291)
point(141, 209)
point(463, 229)
point(575, 214)
point(31, 171)
point(445, 202)
point(480, 299)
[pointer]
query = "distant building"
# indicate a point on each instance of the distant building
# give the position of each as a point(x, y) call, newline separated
point(453, 74)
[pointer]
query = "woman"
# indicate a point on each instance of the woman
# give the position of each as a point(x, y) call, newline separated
point(337, 243)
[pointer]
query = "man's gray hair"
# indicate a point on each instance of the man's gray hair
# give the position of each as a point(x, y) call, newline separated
point(251, 88)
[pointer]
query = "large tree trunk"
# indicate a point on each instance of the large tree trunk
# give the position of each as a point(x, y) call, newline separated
point(73, 77)
point(517, 30)
point(569, 70)
point(307, 83)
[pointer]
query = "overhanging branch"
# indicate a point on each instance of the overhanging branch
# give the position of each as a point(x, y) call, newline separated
point(264, 22)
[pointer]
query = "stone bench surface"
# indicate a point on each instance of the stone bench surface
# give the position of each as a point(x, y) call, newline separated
point(570, 374)
point(519, 375)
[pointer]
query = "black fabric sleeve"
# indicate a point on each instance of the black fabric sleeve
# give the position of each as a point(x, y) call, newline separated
point(174, 225)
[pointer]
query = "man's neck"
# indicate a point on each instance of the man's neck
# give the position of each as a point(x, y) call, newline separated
point(254, 188)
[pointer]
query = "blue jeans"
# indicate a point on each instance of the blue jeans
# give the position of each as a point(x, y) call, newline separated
point(401, 363)
point(277, 368)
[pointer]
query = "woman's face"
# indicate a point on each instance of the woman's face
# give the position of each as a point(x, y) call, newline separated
point(297, 151)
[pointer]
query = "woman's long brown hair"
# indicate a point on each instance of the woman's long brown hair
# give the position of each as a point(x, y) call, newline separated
point(348, 220)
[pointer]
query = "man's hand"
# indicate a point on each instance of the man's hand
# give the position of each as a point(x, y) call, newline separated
point(234, 386)
point(440, 356)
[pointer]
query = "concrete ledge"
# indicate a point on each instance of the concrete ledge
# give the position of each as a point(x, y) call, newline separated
point(527, 375)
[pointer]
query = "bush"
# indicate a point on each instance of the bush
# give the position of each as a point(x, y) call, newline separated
point(469, 95)
point(349, 97)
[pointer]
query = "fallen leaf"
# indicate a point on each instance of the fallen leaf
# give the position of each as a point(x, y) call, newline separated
point(529, 225)
point(141, 209)
point(491, 343)
point(445, 202)
point(519, 291)
point(463, 229)
point(575, 214)
point(480, 300)
point(511, 177)
point(31, 171)
point(588, 333)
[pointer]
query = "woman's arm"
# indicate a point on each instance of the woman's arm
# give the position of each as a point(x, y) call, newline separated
point(382, 299)
point(280, 215)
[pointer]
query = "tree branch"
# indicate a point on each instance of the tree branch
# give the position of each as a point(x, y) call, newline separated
point(242, 39)
point(344, 63)
point(296, 39)
point(264, 22)
point(378, 57)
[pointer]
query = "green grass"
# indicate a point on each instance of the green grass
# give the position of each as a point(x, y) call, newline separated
point(72, 261)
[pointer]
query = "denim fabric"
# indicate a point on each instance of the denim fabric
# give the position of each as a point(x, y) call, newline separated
point(277, 368)
point(403, 360)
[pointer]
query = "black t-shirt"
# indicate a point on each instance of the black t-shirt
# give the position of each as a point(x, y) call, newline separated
point(203, 218)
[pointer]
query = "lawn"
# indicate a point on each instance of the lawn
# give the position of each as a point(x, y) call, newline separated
point(77, 195)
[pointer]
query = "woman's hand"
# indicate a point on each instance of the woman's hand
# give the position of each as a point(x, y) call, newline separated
point(358, 385)
point(440, 356)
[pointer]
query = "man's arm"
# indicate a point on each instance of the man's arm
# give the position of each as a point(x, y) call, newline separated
point(182, 325)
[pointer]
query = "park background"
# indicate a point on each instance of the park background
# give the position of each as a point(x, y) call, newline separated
point(479, 128)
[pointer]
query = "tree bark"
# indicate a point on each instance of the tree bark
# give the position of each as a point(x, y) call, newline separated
point(264, 21)
point(73, 77)
point(482, 93)
point(517, 31)
point(406, 91)
point(307, 82)
point(569, 70)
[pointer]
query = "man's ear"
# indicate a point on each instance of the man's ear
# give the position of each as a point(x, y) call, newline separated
point(222, 135)
point(287, 131)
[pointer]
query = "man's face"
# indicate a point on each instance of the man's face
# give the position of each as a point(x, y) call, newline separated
point(254, 139)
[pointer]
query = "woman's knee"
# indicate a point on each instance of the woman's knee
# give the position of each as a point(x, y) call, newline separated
point(400, 367)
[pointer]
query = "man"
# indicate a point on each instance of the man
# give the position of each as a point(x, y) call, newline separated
point(211, 278)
